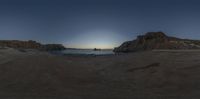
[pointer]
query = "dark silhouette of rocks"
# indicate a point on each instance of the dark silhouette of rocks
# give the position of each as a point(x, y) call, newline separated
point(157, 40)
point(30, 45)
point(52, 47)
point(96, 49)
point(20, 44)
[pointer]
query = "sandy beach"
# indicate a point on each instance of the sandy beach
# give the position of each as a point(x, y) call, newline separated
point(144, 75)
point(99, 49)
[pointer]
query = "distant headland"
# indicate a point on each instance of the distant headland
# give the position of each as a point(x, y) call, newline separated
point(157, 40)
point(149, 41)
point(30, 45)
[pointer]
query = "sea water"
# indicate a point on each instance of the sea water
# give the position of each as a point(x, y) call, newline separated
point(84, 52)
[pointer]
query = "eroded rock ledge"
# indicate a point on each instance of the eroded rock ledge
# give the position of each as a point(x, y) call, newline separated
point(30, 45)
point(157, 40)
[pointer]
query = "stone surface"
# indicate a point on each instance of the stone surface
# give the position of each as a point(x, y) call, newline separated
point(157, 40)
point(30, 45)
point(51, 47)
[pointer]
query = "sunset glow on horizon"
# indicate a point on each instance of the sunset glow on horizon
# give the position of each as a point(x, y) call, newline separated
point(96, 23)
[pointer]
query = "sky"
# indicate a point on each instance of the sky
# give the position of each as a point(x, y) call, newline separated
point(96, 23)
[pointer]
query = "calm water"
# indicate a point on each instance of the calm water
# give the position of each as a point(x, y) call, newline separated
point(85, 52)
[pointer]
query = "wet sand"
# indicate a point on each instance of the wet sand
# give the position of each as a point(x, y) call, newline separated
point(143, 75)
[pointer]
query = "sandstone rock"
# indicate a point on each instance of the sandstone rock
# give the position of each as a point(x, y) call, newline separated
point(30, 45)
point(157, 40)
point(20, 44)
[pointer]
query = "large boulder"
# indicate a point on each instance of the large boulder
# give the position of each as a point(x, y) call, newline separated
point(157, 40)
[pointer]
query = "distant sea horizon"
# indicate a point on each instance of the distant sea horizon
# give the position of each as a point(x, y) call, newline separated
point(89, 48)
point(80, 51)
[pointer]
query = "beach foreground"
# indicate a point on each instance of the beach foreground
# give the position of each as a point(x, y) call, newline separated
point(156, 74)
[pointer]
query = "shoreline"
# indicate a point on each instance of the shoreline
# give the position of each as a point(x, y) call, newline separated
point(151, 73)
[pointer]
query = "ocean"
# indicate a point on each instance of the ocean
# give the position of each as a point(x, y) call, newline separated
point(84, 52)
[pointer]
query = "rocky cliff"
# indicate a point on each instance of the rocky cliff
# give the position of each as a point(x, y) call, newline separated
point(30, 45)
point(157, 40)
point(20, 44)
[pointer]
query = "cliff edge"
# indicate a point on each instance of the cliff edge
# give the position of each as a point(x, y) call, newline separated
point(157, 40)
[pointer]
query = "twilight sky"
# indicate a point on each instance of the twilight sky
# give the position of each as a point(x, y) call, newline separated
point(96, 23)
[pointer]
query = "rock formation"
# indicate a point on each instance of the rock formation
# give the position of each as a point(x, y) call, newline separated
point(157, 40)
point(96, 49)
point(52, 47)
point(30, 45)
point(20, 44)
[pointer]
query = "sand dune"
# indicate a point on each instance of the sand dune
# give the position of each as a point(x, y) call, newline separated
point(146, 75)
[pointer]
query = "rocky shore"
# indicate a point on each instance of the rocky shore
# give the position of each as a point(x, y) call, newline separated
point(156, 74)
point(150, 73)
point(157, 40)
point(30, 45)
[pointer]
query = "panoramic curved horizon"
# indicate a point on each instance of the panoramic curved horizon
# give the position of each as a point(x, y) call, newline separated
point(96, 24)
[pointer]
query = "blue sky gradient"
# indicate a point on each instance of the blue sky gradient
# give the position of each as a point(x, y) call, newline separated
point(96, 23)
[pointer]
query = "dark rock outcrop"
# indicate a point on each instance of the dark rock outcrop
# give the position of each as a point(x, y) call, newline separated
point(30, 45)
point(52, 47)
point(157, 40)
point(96, 49)
point(20, 44)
